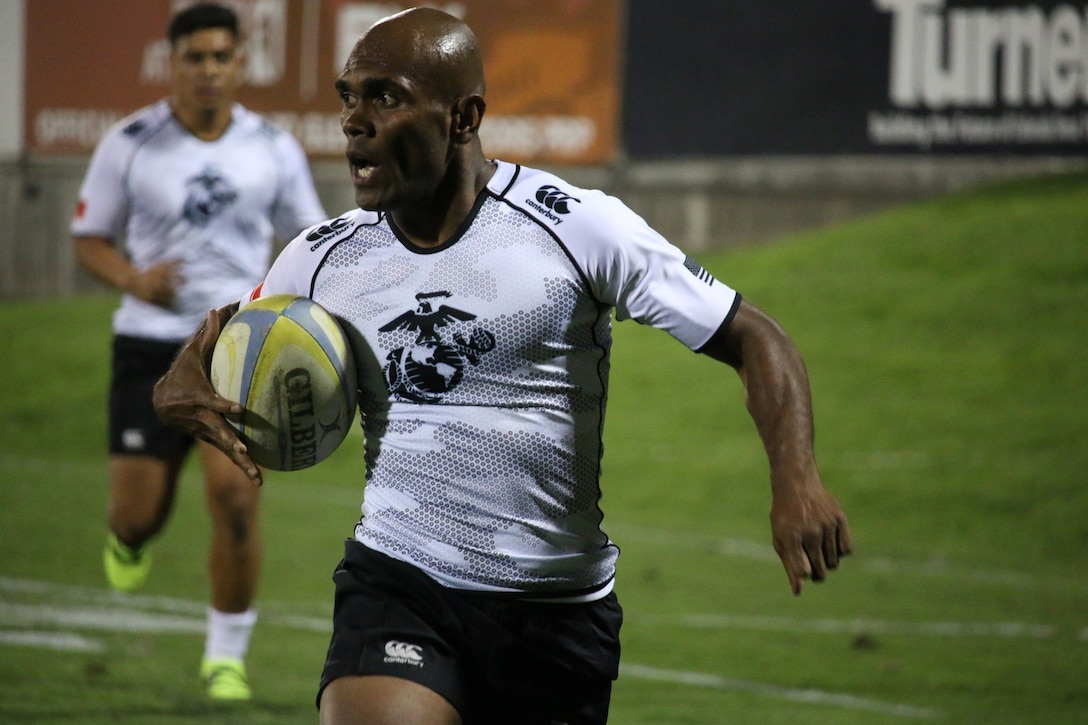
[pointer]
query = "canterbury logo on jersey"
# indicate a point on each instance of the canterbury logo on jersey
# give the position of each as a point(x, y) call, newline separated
point(402, 653)
point(551, 202)
point(697, 269)
point(325, 232)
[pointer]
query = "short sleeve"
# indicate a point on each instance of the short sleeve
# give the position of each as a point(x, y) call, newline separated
point(297, 203)
point(102, 207)
point(648, 279)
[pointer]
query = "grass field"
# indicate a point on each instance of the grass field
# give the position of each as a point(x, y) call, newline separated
point(947, 345)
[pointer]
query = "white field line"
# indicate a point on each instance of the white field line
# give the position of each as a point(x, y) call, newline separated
point(97, 618)
point(104, 611)
point(32, 589)
point(142, 610)
point(811, 696)
point(62, 641)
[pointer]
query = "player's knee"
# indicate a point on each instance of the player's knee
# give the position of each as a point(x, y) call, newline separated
point(135, 523)
point(233, 505)
point(132, 532)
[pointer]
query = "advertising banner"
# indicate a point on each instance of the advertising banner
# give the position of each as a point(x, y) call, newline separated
point(857, 76)
point(553, 70)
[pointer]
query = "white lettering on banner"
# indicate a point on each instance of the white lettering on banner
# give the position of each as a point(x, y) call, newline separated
point(935, 129)
point(319, 133)
point(534, 135)
point(155, 68)
point(80, 127)
point(986, 56)
point(266, 42)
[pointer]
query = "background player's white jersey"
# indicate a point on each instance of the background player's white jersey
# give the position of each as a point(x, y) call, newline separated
point(207, 203)
point(483, 368)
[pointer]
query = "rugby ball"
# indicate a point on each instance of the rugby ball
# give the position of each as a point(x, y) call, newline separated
point(286, 360)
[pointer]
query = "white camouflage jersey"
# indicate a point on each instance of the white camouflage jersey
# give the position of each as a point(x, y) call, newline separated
point(484, 369)
point(212, 204)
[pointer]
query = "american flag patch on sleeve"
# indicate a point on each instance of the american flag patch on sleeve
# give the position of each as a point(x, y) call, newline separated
point(697, 269)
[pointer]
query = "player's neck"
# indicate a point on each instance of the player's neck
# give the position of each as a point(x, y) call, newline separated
point(207, 124)
point(432, 224)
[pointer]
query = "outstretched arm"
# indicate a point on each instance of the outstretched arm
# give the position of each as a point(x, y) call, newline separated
point(184, 397)
point(808, 525)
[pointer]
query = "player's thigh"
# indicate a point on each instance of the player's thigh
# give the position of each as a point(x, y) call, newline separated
point(135, 428)
point(137, 471)
point(382, 700)
point(143, 479)
point(226, 485)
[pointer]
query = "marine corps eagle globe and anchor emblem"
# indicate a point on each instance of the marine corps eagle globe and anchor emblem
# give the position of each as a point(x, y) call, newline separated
point(434, 364)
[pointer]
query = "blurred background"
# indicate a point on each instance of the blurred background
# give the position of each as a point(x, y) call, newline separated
point(722, 123)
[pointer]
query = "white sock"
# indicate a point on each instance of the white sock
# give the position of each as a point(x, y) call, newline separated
point(229, 633)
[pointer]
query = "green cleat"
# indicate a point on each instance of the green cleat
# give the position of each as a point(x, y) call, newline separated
point(225, 679)
point(126, 568)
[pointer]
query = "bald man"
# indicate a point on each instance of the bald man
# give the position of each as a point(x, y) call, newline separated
point(478, 296)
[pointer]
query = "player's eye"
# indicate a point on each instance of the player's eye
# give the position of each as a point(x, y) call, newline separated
point(381, 93)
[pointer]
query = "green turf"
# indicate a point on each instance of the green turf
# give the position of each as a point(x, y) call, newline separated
point(946, 342)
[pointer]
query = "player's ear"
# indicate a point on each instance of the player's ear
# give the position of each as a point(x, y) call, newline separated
point(468, 112)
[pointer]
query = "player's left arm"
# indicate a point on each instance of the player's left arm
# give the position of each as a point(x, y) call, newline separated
point(808, 525)
point(185, 399)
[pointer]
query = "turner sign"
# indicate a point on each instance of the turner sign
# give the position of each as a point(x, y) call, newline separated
point(990, 76)
point(858, 76)
point(985, 57)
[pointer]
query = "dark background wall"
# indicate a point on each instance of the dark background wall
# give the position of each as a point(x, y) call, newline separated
point(743, 77)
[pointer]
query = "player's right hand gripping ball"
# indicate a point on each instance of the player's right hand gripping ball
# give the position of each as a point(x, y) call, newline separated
point(286, 360)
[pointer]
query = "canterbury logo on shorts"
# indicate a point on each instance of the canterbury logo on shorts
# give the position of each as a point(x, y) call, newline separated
point(402, 653)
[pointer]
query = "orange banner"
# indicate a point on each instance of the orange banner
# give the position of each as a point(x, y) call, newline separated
point(553, 70)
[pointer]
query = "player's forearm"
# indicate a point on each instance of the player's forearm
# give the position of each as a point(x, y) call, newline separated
point(98, 256)
point(780, 402)
point(776, 392)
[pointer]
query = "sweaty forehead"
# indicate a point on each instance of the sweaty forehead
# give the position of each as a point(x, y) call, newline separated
point(378, 53)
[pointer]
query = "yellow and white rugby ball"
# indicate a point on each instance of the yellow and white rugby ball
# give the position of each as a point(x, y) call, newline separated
point(286, 360)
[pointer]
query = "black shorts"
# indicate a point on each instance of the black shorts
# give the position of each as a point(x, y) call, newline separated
point(134, 426)
point(497, 660)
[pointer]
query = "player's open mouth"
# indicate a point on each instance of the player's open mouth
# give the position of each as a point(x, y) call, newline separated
point(362, 170)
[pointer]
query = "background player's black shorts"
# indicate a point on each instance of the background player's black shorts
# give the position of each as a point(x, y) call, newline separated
point(497, 660)
point(135, 427)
